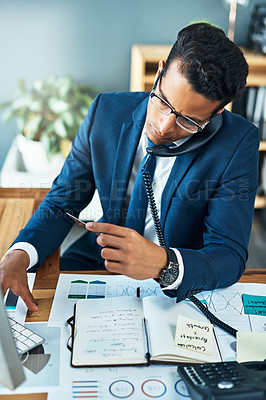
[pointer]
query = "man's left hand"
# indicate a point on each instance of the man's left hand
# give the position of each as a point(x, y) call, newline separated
point(126, 252)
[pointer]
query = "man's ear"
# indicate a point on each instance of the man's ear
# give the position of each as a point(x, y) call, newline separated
point(161, 66)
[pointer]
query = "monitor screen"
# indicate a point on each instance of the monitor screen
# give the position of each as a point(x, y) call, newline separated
point(11, 370)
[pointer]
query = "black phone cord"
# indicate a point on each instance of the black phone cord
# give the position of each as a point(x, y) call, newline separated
point(152, 204)
point(158, 229)
point(214, 320)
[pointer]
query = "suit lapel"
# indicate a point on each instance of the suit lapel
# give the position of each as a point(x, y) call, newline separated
point(179, 170)
point(125, 154)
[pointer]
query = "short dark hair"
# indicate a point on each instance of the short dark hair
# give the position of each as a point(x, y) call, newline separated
point(213, 65)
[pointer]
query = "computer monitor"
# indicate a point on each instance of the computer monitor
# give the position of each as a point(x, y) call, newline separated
point(11, 370)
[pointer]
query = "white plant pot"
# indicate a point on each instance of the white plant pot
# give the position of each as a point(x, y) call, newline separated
point(35, 159)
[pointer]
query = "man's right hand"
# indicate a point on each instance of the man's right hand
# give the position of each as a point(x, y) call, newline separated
point(13, 276)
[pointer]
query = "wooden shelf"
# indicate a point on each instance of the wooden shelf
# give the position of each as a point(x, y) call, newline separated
point(144, 64)
point(262, 145)
point(260, 202)
point(257, 68)
point(145, 59)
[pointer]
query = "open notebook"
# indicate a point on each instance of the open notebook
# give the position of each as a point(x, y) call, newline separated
point(130, 330)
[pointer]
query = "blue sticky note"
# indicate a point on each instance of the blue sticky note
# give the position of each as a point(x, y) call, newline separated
point(254, 304)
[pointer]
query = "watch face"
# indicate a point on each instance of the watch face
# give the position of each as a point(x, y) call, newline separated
point(170, 275)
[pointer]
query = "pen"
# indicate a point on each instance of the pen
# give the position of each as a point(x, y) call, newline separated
point(79, 222)
point(147, 342)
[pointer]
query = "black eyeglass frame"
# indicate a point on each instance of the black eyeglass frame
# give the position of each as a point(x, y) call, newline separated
point(172, 110)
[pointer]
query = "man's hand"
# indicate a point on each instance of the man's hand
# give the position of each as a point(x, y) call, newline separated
point(127, 252)
point(13, 276)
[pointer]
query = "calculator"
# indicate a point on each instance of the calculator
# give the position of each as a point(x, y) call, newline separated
point(224, 380)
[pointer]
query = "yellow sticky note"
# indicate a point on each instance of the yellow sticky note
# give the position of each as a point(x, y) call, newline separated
point(194, 335)
point(250, 346)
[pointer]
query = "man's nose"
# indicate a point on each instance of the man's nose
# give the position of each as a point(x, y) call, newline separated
point(167, 123)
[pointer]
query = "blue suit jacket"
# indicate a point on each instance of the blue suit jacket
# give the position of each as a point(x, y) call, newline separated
point(207, 203)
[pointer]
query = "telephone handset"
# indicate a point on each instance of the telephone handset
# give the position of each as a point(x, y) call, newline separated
point(196, 141)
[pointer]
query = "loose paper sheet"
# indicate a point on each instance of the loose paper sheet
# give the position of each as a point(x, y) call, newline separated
point(194, 335)
point(251, 346)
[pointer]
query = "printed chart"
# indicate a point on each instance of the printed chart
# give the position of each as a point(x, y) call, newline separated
point(155, 382)
point(101, 288)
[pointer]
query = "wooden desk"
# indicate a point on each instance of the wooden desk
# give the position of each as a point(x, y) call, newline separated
point(16, 207)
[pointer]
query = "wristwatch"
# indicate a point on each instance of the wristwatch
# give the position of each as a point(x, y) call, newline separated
point(170, 272)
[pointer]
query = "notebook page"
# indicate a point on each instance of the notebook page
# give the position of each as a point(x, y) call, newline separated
point(162, 314)
point(109, 331)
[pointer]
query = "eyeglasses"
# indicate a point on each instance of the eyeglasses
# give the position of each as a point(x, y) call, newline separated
point(165, 108)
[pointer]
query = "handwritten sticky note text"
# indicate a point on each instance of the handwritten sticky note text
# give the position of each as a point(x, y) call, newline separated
point(255, 305)
point(194, 335)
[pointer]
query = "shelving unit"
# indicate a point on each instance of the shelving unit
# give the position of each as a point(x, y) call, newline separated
point(145, 59)
point(144, 64)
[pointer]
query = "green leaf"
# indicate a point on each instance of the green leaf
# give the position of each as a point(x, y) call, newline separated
point(32, 127)
point(58, 106)
point(68, 118)
point(60, 129)
point(20, 124)
point(35, 106)
point(64, 88)
point(5, 104)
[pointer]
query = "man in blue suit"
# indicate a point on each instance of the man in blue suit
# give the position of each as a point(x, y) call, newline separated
point(204, 195)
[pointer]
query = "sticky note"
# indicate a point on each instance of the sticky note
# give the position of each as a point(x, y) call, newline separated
point(250, 346)
point(194, 335)
point(254, 304)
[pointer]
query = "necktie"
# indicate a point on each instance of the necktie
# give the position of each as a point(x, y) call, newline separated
point(137, 208)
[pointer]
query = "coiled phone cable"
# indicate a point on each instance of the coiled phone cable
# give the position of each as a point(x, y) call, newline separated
point(158, 229)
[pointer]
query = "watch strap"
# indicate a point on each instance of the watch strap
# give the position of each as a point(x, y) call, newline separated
point(171, 256)
point(172, 261)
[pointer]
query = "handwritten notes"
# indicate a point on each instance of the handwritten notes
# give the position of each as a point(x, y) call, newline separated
point(254, 304)
point(194, 335)
point(250, 346)
point(104, 333)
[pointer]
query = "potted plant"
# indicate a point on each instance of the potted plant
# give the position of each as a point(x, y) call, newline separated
point(48, 117)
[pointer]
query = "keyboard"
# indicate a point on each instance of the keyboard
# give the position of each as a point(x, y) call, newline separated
point(25, 339)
